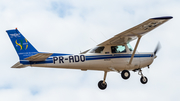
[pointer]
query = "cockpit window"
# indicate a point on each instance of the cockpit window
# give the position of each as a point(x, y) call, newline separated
point(118, 49)
point(97, 50)
point(129, 46)
point(85, 52)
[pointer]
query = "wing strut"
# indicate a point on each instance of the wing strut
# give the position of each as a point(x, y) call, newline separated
point(137, 43)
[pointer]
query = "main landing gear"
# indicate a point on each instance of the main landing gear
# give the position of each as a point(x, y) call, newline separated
point(125, 74)
point(102, 84)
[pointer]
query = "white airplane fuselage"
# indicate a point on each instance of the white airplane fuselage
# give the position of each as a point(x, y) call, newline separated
point(74, 62)
point(104, 61)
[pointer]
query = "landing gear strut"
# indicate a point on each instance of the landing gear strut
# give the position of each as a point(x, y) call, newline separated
point(143, 79)
point(102, 84)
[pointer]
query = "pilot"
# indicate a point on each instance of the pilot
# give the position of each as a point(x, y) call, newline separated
point(114, 49)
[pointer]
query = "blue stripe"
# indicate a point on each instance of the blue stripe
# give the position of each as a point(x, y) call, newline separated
point(97, 57)
point(36, 62)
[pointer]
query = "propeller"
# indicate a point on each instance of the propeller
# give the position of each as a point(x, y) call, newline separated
point(157, 48)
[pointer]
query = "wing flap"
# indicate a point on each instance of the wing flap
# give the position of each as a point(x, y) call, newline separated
point(39, 57)
point(134, 32)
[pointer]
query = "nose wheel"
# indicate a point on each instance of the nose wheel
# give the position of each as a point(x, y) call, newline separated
point(143, 79)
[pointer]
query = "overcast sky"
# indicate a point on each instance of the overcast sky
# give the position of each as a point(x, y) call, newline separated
point(71, 26)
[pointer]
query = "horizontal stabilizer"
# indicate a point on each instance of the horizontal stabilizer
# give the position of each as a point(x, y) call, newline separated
point(19, 65)
point(39, 57)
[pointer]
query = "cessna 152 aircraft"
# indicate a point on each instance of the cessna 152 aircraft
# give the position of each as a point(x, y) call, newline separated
point(114, 54)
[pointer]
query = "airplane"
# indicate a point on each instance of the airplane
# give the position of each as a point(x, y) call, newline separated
point(114, 54)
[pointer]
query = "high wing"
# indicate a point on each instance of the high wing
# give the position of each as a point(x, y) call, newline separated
point(39, 57)
point(135, 32)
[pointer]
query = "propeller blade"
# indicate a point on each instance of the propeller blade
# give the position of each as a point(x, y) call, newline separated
point(157, 48)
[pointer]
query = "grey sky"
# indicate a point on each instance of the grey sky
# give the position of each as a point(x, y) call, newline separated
point(67, 26)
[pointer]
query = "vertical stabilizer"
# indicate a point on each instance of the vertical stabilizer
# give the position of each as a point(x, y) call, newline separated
point(22, 46)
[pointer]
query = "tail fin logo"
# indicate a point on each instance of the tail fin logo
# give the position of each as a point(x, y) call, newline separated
point(21, 44)
point(15, 35)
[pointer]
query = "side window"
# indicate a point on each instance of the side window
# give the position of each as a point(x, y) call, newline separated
point(118, 49)
point(97, 50)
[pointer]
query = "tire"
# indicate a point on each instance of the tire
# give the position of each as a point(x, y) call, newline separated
point(102, 85)
point(125, 74)
point(144, 80)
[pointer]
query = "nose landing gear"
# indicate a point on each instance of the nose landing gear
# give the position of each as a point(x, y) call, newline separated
point(143, 79)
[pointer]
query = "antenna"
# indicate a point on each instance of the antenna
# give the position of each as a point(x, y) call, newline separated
point(103, 35)
point(80, 49)
point(93, 40)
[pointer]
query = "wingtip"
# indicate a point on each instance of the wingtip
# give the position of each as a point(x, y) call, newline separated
point(164, 17)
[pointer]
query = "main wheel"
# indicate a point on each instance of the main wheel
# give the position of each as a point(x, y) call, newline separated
point(102, 85)
point(125, 74)
point(144, 80)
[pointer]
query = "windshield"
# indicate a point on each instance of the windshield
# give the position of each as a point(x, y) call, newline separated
point(129, 46)
point(97, 50)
